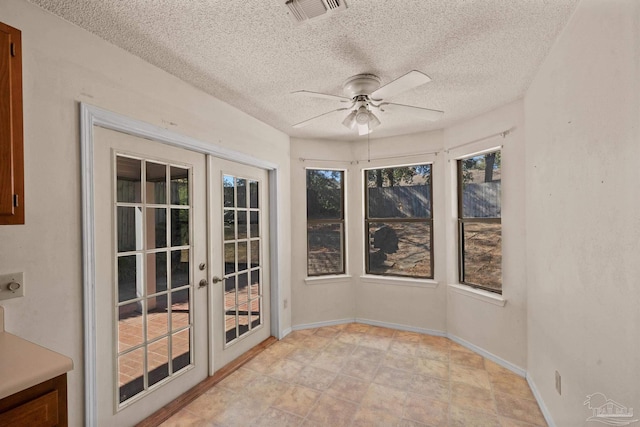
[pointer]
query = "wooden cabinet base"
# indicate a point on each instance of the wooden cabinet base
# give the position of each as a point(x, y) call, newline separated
point(43, 405)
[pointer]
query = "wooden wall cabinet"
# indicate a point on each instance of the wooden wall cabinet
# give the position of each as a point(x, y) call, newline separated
point(11, 132)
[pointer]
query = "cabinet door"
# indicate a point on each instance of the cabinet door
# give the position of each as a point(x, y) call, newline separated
point(39, 412)
point(11, 136)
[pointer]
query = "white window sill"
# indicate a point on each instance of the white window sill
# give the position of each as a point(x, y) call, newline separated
point(400, 281)
point(335, 278)
point(479, 294)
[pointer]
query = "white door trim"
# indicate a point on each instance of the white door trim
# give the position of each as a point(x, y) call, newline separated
point(91, 116)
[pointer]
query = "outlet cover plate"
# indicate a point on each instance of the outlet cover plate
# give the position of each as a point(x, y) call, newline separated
point(5, 279)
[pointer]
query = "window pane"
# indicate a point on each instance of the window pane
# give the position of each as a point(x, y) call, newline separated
point(400, 249)
point(255, 253)
point(181, 349)
point(158, 360)
point(228, 188)
point(129, 277)
point(481, 181)
point(482, 254)
point(180, 306)
point(243, 318)
point(397, 247)
point(179, 268)
point(230, 293)
point(156, 228)
point(229, 224)
point(129, 229)
point(242, 256)
point(179, 227)
point(129, 326)
point(156, 183)
point(243, 288)
point(128, 180)
point(254, 224)
point(179, 186)
point(131, 374)
point(157, 317)
point(324, 245)
point(255, 284)
point(242, 192)
point(324, 194)
point(402, 192)
point(229, 258)
point(242, 224)
point(253, 194)
point(230, 325)
point(256, 319)
point(156, 272)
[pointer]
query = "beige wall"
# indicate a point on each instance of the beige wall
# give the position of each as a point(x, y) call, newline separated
point(410, 305)
point(63, 65)
point(336, 299)
point(329, 299)
point(431, 307)
point(499, 330)
point(583, 212)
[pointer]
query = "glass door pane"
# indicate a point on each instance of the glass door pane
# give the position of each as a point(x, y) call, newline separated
point(242, 261)
point(153, 229)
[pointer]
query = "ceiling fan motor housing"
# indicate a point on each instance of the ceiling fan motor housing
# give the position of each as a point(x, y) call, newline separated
point(361, 84)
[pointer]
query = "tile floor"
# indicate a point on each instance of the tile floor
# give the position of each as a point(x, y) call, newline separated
point(361, 375)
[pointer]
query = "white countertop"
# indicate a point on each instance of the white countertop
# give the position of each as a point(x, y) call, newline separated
point(25, 364)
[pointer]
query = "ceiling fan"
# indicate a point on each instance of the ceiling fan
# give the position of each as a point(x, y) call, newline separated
point(365, 95)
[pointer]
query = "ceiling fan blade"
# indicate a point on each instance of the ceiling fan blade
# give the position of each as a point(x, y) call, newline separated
point(308, 121)
point(321, 95)
point(424, 113)
point(410, 80)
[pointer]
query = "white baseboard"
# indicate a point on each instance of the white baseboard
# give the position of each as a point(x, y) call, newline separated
point(285, 333)
point(401, 327)
point(322, 324)
point(484, 353)
point(543, 407)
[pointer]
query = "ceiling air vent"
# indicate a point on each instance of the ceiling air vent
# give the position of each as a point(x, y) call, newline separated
point(303, 10)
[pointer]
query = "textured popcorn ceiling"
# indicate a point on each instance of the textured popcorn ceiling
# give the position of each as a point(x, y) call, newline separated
point(250, 54)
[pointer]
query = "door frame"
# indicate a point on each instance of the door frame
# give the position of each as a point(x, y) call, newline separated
point(91, 116)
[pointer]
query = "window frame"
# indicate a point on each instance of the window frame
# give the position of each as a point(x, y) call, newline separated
point(472, 220)
point(342, 221)
point(367, 221)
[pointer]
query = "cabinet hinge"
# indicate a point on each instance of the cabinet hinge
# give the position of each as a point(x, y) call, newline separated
point(13, 49)
point(15, 200)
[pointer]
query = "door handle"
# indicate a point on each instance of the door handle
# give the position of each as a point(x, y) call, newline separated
point(203, 283)
point(216, 279)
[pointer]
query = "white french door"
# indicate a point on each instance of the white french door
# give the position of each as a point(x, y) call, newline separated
point(240, 289)
point(151, 253)
point(181, 270)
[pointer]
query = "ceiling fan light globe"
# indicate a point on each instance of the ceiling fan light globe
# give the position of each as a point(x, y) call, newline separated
point(362, 118)
point(373, 121)
point(350, 120)
point(362, 115)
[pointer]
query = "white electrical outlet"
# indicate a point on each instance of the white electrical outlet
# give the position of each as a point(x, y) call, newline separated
point(11, 285)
